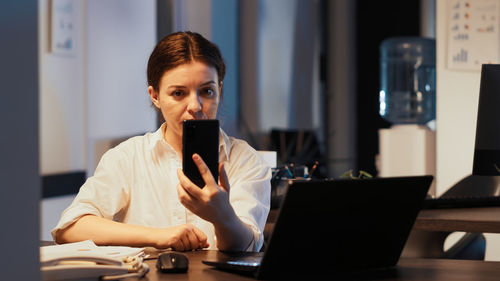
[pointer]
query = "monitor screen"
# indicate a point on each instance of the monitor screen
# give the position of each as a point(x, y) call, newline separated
point(487, 145)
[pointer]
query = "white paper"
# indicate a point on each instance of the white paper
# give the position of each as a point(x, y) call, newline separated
point(86, 248)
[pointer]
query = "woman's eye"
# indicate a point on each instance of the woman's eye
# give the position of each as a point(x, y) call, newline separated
point(177, 93)
point(208, 92)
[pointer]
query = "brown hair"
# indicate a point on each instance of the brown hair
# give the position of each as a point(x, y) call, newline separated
point(180, 48)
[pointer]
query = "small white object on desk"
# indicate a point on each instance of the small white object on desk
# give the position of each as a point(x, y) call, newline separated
point(270, 157)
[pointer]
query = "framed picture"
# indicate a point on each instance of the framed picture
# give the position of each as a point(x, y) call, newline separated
point(62, 27)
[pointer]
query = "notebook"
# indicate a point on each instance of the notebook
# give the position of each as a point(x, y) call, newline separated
point(335, 226)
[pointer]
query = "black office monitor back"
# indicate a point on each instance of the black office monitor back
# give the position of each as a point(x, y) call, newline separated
point(487, 146)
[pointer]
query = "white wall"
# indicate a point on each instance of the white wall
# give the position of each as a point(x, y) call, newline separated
point(62, 97)
point(50, 212)
point(457, 97)
point(288, 70)
point(276, 27)
point(99, 92)
point(193, 15)
point(276, 76)
point(120, 35)
point(225, 18)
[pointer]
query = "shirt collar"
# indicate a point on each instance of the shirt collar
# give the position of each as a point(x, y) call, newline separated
point(157, 137)
point(224, 143)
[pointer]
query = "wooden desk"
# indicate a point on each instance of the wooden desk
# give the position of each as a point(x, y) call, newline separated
point(433, 226)
point(485, 219)
point(407, 269)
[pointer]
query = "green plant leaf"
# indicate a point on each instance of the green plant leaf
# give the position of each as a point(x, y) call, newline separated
point(361, 175)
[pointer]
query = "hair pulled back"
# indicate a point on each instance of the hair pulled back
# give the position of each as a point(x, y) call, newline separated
point(180, 48)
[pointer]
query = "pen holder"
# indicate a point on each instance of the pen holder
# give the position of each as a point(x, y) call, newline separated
point(278, 189)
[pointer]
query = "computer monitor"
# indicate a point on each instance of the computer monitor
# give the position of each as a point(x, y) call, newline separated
point(485, 178)
point(487, 145)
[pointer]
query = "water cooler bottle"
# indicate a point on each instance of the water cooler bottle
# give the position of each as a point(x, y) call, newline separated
point(408, 101)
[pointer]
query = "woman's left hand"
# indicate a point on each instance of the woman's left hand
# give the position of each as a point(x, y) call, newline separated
point(211, 202)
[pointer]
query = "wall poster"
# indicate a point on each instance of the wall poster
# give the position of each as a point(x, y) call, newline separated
point(472, 34)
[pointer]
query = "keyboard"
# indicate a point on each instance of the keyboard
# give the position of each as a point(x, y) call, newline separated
point(462, 202)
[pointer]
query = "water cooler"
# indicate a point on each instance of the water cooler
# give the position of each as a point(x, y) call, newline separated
point(408, 101)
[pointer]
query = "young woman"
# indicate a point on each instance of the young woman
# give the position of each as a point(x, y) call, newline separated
point(139, 195)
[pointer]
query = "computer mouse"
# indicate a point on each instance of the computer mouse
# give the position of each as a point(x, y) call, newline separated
point(172, 262)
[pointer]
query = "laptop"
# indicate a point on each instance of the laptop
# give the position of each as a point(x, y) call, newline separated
point(335, 226)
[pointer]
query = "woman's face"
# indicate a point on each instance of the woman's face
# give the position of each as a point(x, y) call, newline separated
point(189, 91)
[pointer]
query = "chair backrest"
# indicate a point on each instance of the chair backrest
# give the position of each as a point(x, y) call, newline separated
point(300, 147)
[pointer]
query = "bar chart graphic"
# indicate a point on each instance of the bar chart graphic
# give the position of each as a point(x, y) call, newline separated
point(472, 34)
point(460, 57)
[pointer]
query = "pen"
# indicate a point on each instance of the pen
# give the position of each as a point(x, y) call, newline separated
point(313, 169)
point(288, 171)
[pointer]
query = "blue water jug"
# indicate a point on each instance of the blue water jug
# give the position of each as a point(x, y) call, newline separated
point(408, 80)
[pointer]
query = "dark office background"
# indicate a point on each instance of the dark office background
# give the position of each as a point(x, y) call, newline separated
point(376, 21)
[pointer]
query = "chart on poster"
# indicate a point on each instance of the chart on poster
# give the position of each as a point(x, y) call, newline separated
point(472, 34)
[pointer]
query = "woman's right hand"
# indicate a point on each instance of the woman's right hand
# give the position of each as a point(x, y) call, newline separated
point(185, 237)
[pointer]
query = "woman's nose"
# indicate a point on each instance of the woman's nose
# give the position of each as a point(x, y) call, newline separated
point(194, 103)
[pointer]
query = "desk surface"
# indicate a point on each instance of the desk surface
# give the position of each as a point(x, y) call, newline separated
point(485, 219)
point(407, 269)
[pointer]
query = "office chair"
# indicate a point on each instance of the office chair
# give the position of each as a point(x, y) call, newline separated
point(429, 244)
point(300, 147)
point(471, 246)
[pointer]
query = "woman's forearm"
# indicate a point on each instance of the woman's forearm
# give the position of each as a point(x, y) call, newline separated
point(106, 232)
point(102, 231)
point(233, 234)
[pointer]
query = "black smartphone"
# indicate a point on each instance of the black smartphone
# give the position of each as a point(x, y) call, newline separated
point(201, 137)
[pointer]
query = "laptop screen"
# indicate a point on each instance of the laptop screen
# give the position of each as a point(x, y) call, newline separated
point(336, 226)
point(344, 225)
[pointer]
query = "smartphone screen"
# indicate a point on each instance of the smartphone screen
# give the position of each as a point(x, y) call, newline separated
point(201, 137)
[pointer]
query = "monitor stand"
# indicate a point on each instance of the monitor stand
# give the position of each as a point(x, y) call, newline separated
point(474, 185)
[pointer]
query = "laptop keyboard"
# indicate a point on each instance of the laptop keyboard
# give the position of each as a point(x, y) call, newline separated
point(246, 258)
point(462, 202)
point(245, 263)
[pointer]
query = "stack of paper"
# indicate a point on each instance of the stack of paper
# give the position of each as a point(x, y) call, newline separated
point(84, 260)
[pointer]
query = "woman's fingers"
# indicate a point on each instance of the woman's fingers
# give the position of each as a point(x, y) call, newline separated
point(207, 176)
point(186, 242)
point(194, 243)
point(178, 245)
point(201, 237)
point(187, 185)
point(223, 179)
point(210, 201)
point(188, 238)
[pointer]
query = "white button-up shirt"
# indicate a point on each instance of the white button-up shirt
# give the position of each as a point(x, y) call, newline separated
point(136, 183)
